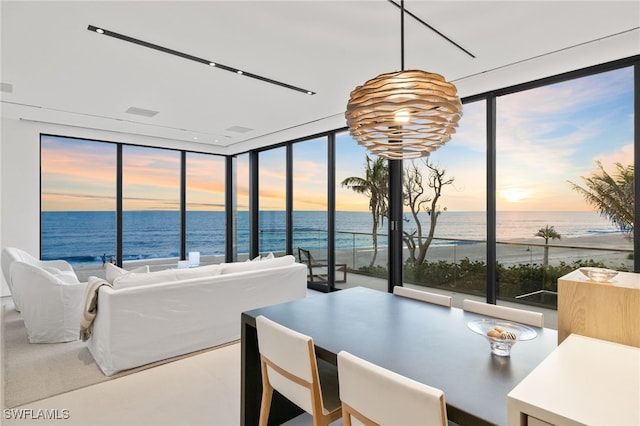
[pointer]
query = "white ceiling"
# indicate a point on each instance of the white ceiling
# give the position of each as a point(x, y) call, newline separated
point(62, 73)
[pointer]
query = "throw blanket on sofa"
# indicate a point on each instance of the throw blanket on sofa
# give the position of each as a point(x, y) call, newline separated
point(90, 308)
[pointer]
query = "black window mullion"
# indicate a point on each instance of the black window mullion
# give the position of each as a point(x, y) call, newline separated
point(183, 205)
point(119, 225)
point(492, 285)
point(289, 200)
point(231, 210)
point(254, 206)
point(331, 210)
point(395, 225)
point(636, 161)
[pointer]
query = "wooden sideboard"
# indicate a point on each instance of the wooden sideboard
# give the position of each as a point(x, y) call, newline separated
point(605, 310)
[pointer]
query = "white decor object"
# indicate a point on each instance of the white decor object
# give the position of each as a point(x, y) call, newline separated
point(183, 264)
point(194, 259)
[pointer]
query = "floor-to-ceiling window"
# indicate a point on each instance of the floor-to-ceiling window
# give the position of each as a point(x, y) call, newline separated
point(553, 144)
point(78, 200)
point(445, 210)
point(361, 183)
point(309, 226)
point(150, 203)
point(550, 141)
point(205, 206)
point(242, 206)
point(272, 194)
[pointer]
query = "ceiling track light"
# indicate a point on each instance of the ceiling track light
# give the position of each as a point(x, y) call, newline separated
point(207, 62)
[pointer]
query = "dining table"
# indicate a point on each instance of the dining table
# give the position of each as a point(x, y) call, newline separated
point(429, 343)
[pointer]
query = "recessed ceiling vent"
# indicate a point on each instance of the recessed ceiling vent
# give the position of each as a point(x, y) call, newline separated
point(6, 87)
point(141, 111)
point(239, 129)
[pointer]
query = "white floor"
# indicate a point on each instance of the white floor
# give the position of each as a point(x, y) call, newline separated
point(200, 390)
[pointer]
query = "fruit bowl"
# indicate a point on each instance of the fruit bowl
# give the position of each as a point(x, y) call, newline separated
point(599, 274)
point(510, 333)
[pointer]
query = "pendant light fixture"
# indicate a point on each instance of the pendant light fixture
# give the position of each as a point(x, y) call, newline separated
point(405, 114)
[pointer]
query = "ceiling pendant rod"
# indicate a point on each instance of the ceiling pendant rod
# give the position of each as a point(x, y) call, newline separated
point(402, 35)
point(408, 12)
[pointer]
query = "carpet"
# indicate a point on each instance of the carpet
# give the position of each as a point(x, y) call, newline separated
point(33, 371)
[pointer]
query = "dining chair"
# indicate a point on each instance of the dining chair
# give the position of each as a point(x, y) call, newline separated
point(425, 296)
point(503, 312)
point(373, 395)
point(289, 365)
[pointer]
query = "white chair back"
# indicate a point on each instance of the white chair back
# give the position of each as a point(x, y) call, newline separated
point(425, 296)
point(289, 366)
point(51, 307)
point(60, 268)
point(10, 255)
point(371, 394)
point(522, 316)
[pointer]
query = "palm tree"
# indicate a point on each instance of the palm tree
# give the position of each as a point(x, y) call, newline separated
point(374, 185)
point(612, 196)
point(548, 232)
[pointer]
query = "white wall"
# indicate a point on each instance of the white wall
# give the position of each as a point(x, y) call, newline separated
point(20, 177)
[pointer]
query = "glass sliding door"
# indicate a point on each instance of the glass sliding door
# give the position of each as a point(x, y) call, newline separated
point(205, 202)
point(151, 204)
point(78, 202)
point(445, 211)
point(556, 146)
point(359, 242)
point(310, 201)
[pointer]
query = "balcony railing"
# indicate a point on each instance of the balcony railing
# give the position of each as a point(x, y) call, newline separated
point(460, 265)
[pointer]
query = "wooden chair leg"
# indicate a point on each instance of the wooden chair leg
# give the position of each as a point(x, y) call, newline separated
point(267, 395)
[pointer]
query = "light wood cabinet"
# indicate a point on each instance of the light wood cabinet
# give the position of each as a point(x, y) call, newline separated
point(604, 310)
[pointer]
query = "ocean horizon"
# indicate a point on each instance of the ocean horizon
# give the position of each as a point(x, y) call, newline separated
point(83, 237)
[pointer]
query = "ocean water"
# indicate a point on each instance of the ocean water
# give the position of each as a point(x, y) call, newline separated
point(84, 237)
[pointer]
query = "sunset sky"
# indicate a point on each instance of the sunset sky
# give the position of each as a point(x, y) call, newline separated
point(546, 137)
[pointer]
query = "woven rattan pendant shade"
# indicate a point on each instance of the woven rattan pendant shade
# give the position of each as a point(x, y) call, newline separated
point(403, 115)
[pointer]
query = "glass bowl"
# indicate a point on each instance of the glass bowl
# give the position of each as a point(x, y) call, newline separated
point(599, 274)
point(501, 346)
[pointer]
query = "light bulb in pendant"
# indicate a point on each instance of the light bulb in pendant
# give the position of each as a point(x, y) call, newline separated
point(402, 116)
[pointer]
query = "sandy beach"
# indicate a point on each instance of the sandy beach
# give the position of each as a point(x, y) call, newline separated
point(612, 249)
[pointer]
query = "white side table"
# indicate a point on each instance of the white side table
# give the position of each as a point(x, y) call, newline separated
point(585, 381)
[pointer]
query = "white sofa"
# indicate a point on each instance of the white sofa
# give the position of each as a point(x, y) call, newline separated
point(147, 317)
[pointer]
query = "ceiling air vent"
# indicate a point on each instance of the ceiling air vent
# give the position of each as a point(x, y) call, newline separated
point(141, 111)
point(239, 129)
point(6, 87)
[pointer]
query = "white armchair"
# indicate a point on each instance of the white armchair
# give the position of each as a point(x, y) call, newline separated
point(51, 304)
point(60, 268)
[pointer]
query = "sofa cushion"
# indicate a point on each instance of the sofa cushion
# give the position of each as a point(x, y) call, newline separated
point(133, 279)
point(230, 268)
point(113, 271)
